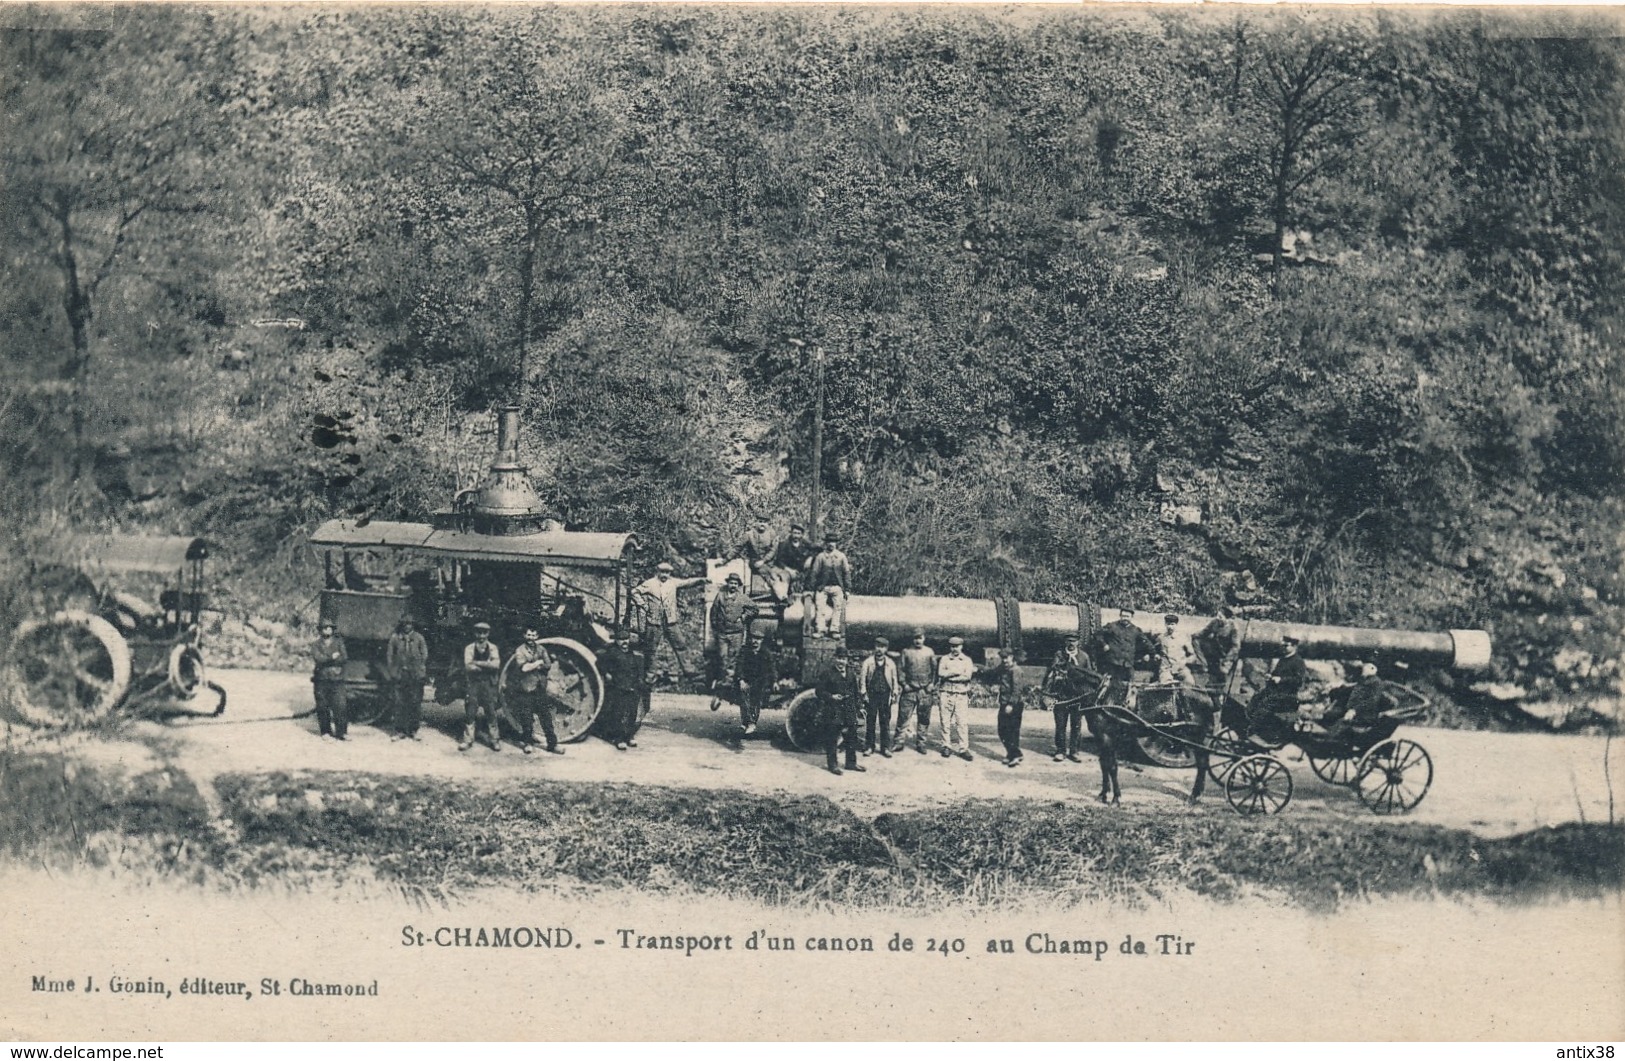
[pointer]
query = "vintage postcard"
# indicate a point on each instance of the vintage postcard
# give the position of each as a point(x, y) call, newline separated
point(812, 522)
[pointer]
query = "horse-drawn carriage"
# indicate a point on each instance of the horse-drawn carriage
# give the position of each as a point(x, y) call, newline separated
point(1390, 774)
point(114, 623)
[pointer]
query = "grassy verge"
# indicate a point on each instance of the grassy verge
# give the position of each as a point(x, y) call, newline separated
point(436, 839)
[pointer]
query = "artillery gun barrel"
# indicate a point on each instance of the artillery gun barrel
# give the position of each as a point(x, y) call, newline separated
point(1043, 628)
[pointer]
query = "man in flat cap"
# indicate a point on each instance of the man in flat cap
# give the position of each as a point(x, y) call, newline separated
point(731, 613)
point(624, 685)
point(917, 673)
point(662, 618)
point(406, 660)
point(881, 691)
point(327, 680)
point(1006, 682)
point(759, 670)
point(954, 674)
point(760, 546)
point(1274, 709)
point(790, 561)
point(482, 663)
point(837, 692)
point(1072, 685)
point(1120, 647)
point(830, 577)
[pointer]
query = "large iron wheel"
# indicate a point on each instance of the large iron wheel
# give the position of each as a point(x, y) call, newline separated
point(1394, 776)
point(1259, 784)
point(801, 721)
point(69, 670)
point(1161, 748)
point(574, 685)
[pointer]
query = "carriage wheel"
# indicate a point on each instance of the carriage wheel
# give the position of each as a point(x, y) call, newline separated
point(68, 670)
point(1161, 749)
point(801, 721)
point(1228, 750)
point(369, 708)
point(1334, 771)
point(1259, 784)
point(1394, 776)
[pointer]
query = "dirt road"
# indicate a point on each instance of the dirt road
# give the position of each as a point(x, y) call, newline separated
point(1495, 784)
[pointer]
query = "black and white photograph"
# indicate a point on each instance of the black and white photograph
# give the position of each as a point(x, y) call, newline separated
point(812, 522)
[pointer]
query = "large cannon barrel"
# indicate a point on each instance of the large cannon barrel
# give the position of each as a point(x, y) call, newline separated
point(1042, 628)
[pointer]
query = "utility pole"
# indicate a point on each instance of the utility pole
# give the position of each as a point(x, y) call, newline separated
point(814, 519)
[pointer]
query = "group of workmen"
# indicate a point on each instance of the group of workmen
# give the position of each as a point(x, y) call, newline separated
point(890, 697)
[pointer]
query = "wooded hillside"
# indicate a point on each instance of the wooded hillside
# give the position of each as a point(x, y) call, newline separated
point(1341, 294)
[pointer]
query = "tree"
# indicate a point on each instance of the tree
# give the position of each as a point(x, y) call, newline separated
point(105, 143)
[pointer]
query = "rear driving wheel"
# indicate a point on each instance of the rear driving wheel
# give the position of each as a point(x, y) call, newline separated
point(69, 670)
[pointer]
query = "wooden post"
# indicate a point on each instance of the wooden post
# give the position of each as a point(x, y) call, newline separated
point(814, 519)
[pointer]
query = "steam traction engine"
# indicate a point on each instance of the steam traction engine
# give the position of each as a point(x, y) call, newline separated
point(492, 557)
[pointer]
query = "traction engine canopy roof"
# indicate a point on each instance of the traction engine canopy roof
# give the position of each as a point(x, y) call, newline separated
point(577, 548)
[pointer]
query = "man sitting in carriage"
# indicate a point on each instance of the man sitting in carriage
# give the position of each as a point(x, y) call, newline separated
point(1273, 712)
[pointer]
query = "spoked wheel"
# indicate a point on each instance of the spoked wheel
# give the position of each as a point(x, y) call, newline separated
point(371, 708)
point(69, 670)
point(801, 721)
point(1163, 749)
point(1259, 784)
point(1334, 771)
point(1228, 750)
point(1394, 776)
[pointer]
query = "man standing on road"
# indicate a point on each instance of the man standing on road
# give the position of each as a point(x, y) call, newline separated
point(881, 690)
point(731, 614)
point(406, 659)
point(482, 662)
point(531, 699)
point(622, 668)
point(837, 692)
point(759, 670)
point(1071, 683)
point(662, 618)
point(954, 674)
point(1005, 681)
point(917, 671)
point(831, 579)
point(330, 655)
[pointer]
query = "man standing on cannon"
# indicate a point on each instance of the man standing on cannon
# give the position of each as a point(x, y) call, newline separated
point(837, 692)
point(830, 576)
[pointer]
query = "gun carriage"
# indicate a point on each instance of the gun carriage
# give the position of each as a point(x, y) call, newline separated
point(96, 644)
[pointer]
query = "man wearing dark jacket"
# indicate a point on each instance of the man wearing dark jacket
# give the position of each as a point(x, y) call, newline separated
point(406, 658)
point(837, 692)
point(1120, 646)
point(624, 682)
point(330, 656)
point(1272, 711)
point(759, 670)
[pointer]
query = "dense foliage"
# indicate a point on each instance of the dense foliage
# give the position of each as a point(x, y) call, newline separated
point(1351, 285)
